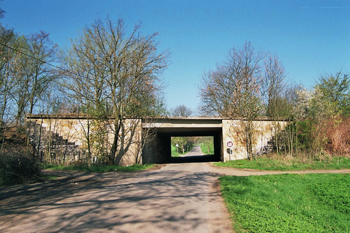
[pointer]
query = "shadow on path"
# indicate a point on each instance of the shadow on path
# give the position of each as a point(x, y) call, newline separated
point(117, 202)
point(194, 159)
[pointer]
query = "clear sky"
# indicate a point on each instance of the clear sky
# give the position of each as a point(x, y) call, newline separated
point(311, 38)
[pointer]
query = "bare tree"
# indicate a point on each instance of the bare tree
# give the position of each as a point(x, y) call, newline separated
point(181, 111)
point(274, 87)
point(25, 75)
point(7, 40)
point(42, 51)
point(114, 73)
point(20, 72)
point(234, 90)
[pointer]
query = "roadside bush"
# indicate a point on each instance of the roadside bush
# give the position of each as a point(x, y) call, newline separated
point(17, 169)
point(328, 136)
point(338, 136)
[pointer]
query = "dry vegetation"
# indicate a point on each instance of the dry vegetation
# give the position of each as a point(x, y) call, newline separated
point(18, 164)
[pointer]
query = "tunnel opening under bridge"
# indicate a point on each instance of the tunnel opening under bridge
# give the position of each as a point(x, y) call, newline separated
point(188, 149)
point(158, 148)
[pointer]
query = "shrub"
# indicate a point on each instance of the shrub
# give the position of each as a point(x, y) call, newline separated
point(17, 169)
point(338, 135)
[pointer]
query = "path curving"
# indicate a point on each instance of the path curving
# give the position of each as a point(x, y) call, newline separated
point(175, 198)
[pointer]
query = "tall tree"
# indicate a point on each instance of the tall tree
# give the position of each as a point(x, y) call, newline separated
point(20, 78)
point(40, 73)
point(234, 89)
point(274, 87)
point(8, 57)
point(115, 74)
point(32, 72)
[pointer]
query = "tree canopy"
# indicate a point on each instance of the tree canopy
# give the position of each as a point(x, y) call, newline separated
point(113, 74)
point(336, 90)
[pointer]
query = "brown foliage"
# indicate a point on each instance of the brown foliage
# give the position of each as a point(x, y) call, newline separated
point(338, 135)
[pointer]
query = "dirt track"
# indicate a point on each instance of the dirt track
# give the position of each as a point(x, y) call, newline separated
point(175, 198)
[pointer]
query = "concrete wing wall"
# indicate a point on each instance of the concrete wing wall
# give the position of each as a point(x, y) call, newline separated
point(67, 139)
point(235, 140)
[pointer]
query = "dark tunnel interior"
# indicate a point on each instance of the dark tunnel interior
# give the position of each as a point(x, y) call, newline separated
point(165, 137)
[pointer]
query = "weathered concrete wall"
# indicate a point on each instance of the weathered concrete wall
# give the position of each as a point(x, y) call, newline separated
point(130, 146)
point(70, 136)
point(233, 131)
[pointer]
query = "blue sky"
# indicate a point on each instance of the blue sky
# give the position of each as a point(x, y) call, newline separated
point(311, 38)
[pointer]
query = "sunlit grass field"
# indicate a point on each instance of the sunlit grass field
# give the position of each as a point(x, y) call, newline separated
point(288, 202)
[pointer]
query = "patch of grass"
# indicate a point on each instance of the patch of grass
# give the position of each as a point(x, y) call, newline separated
point(48, 177)
point(175, 154)
point(204, 148)
point(132, 168)
point(288, 202)
point(282, 163)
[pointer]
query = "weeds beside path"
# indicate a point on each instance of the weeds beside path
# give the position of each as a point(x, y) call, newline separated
point(283, 163)
point(229, 171)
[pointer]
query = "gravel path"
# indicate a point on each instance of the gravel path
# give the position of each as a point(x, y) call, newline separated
point(175, 198)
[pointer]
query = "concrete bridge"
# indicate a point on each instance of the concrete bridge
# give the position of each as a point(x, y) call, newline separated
point(149, 141)
point(228, 134)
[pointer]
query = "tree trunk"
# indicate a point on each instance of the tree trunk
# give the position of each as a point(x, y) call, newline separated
point(115, 142)
point(88, 142)
point(121, 145)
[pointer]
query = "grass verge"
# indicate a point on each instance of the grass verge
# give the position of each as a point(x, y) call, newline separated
point(204, 148)
point(132, 168)
point(282, 163)
point(288, 202)
point(175, 153)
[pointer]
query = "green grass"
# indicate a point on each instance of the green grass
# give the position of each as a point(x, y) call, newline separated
point(281, 163)
point(175, 154)
point(204, 148)
point(288, 202)
point(48, 177)
point(132, 168)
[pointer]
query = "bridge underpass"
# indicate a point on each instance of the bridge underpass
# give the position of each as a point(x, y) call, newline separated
point(228, 134)
point(158, 148)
